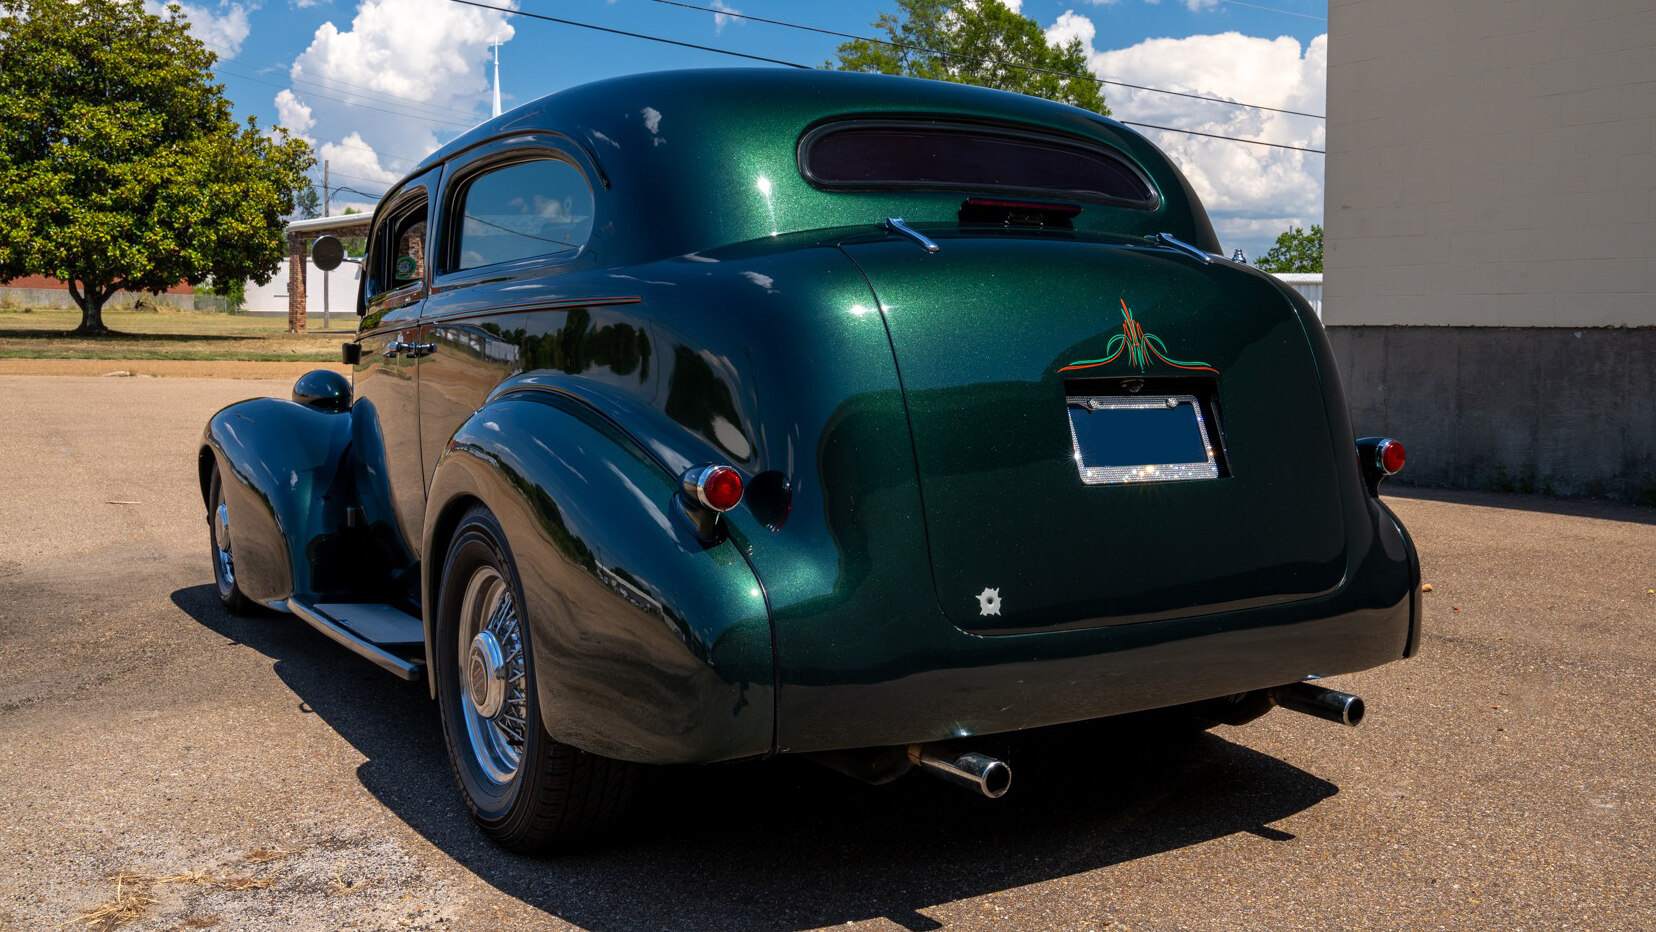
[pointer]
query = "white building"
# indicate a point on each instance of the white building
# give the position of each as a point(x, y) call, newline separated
point(1491, 237)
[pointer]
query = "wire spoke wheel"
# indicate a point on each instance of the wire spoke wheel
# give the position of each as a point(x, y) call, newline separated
point(489, 637)
point(526, 789)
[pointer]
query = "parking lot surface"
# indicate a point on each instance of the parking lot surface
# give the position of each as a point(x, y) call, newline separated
point(199, 770)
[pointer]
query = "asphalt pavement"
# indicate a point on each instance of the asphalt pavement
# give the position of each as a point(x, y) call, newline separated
point(204, 771)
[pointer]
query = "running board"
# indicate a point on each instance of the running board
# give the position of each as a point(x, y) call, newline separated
point(362, 627)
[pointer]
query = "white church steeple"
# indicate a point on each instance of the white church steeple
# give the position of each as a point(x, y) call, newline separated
point(497, 80)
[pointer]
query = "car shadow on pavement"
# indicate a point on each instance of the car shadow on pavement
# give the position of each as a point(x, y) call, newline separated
point(1521, 501)
point(786, 844)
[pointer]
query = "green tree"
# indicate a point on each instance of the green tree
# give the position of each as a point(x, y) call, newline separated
point(307, 203)
point(356, 246)
point(981, 42)
point(1295, 251)
point(121, 165)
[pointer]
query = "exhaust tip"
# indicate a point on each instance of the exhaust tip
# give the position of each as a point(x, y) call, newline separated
point(969, 769)
point(997, 779)
point(1353, 712)
point(1327, 704)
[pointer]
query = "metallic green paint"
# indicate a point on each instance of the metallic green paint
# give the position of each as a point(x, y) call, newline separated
point(286, 477)
point(898, 418)
point(649, 646)
point(982, 330)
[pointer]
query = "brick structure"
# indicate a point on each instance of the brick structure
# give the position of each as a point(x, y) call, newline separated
point(300, 234)
point(296, 283)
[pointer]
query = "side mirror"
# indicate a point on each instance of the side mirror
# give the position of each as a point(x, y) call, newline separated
point(328, 253)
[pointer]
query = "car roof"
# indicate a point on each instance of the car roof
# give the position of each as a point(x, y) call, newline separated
point(692, 150)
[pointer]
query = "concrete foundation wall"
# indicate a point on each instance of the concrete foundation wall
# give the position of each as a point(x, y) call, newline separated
point(1546, 409)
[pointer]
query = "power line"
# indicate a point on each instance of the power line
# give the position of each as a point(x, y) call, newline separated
point(775, 61)
point(1169, 129)
point(349, 103)
point(1272, 9)
point(329, 85)
point(991, 61)
point(1251, 142)
point(399, 158)
point(630, 35)
point(373, 197)
point(363, 178)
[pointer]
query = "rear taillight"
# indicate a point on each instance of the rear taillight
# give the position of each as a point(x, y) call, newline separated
point(715, 487)
point(1391, 457)
point(1379, 457)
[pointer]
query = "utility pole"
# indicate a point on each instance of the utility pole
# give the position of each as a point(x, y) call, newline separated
point(327, 199)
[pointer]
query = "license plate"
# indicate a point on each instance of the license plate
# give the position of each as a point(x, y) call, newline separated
point(1151, 438)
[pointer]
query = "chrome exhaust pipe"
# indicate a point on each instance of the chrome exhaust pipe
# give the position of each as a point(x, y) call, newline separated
point(969, 769)
point(1330, 704)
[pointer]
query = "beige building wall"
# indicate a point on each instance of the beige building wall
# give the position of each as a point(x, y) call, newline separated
point(1491, 163)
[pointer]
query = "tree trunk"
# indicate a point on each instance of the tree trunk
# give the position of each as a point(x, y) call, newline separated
point(90, 299)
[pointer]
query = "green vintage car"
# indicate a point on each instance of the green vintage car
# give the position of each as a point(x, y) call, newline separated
point(727, 414)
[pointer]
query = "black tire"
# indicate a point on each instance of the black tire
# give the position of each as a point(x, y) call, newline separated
point(218, 550)
point(528, 791)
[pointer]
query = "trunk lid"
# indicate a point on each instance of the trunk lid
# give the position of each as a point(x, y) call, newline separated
point(994, 332)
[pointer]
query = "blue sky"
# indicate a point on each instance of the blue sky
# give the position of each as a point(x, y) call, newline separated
point(376, 84)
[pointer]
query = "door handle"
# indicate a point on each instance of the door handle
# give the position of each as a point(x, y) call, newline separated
point(411, 350)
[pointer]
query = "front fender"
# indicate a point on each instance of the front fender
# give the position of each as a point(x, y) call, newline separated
point(649, 645)
point(284, 469)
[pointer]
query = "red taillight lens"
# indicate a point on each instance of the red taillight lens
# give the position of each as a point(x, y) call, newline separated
point(1391, 457)
point(716, 487)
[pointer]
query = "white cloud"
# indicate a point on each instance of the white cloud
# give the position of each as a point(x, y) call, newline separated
point(294, 116)
point(721, 20)
point(357, 160)
point(1251, 192)
point(1197, 6)
point(384, 93)
point(1072, 25)
point(222, 29)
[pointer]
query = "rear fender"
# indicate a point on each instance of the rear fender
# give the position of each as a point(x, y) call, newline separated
point(287, 481)
point(649, 645)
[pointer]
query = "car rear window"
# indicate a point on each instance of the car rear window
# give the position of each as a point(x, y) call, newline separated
point(968, 158)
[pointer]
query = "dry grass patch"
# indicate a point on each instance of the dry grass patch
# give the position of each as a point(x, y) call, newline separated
point(132, 899)
point(221, 881)
point(133, 896)
point(264, 855)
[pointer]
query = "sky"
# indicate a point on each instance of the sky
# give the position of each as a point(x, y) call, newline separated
point(375, 85)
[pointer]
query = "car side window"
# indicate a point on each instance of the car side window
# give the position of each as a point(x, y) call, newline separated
point(524, 209)
point(399, 250)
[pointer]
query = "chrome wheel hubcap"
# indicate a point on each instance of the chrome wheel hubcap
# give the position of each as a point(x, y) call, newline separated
point(494, 678)
point(486, 675)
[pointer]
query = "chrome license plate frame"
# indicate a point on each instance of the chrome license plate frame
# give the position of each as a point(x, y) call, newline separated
point(1100, 460)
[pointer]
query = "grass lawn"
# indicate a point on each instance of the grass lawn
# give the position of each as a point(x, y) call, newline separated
point(169, 334)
